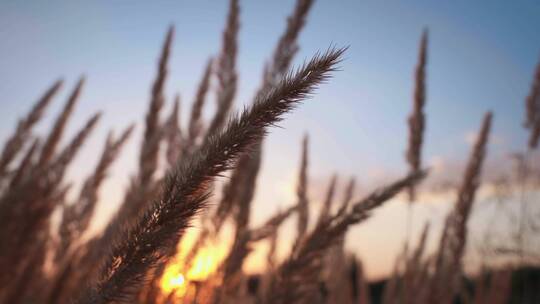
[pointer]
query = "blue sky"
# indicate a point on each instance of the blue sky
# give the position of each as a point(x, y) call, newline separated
point(481, 57)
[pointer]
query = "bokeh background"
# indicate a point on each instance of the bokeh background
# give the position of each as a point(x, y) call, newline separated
point(481, 57)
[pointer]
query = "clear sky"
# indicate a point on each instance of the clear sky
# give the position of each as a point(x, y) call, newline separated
point(481, 57)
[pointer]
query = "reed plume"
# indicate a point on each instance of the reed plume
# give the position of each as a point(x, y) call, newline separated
point(249, 169)
point(271, 225)
point(274, 70)
point(362, 209)
point(347, 198)
point(226, 69)
point(148, 159)
point(173, 134)
point(227, 82)
point(287, 45)
point(26, 209)
point(246, 169)
point(65, 157)
point(327, 204)
point(34, 194)
point(301, 194)
point(57, 168)
point(23, 170)
point(532, 110)
point(452, 245)
point(143, 187)
point(417, 118)
point(185, 190)
point(16, 142)
point(175, 149)
point(50, 145)
point(195, 122)
point(76, 217)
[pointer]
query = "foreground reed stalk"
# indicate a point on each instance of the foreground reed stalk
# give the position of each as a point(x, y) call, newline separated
point(186, 187)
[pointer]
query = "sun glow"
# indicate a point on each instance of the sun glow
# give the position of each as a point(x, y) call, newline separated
point(173, 280)
point(204, 264)
point(179, 280)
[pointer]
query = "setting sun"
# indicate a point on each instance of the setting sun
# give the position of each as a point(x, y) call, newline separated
point(176, 278)
point(173, 280)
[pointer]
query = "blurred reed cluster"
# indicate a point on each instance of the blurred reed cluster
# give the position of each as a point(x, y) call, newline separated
point(136, 257)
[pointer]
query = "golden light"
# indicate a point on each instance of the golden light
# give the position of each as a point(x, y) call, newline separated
point(177, 279)
point(204, 264)
point(173, 280)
